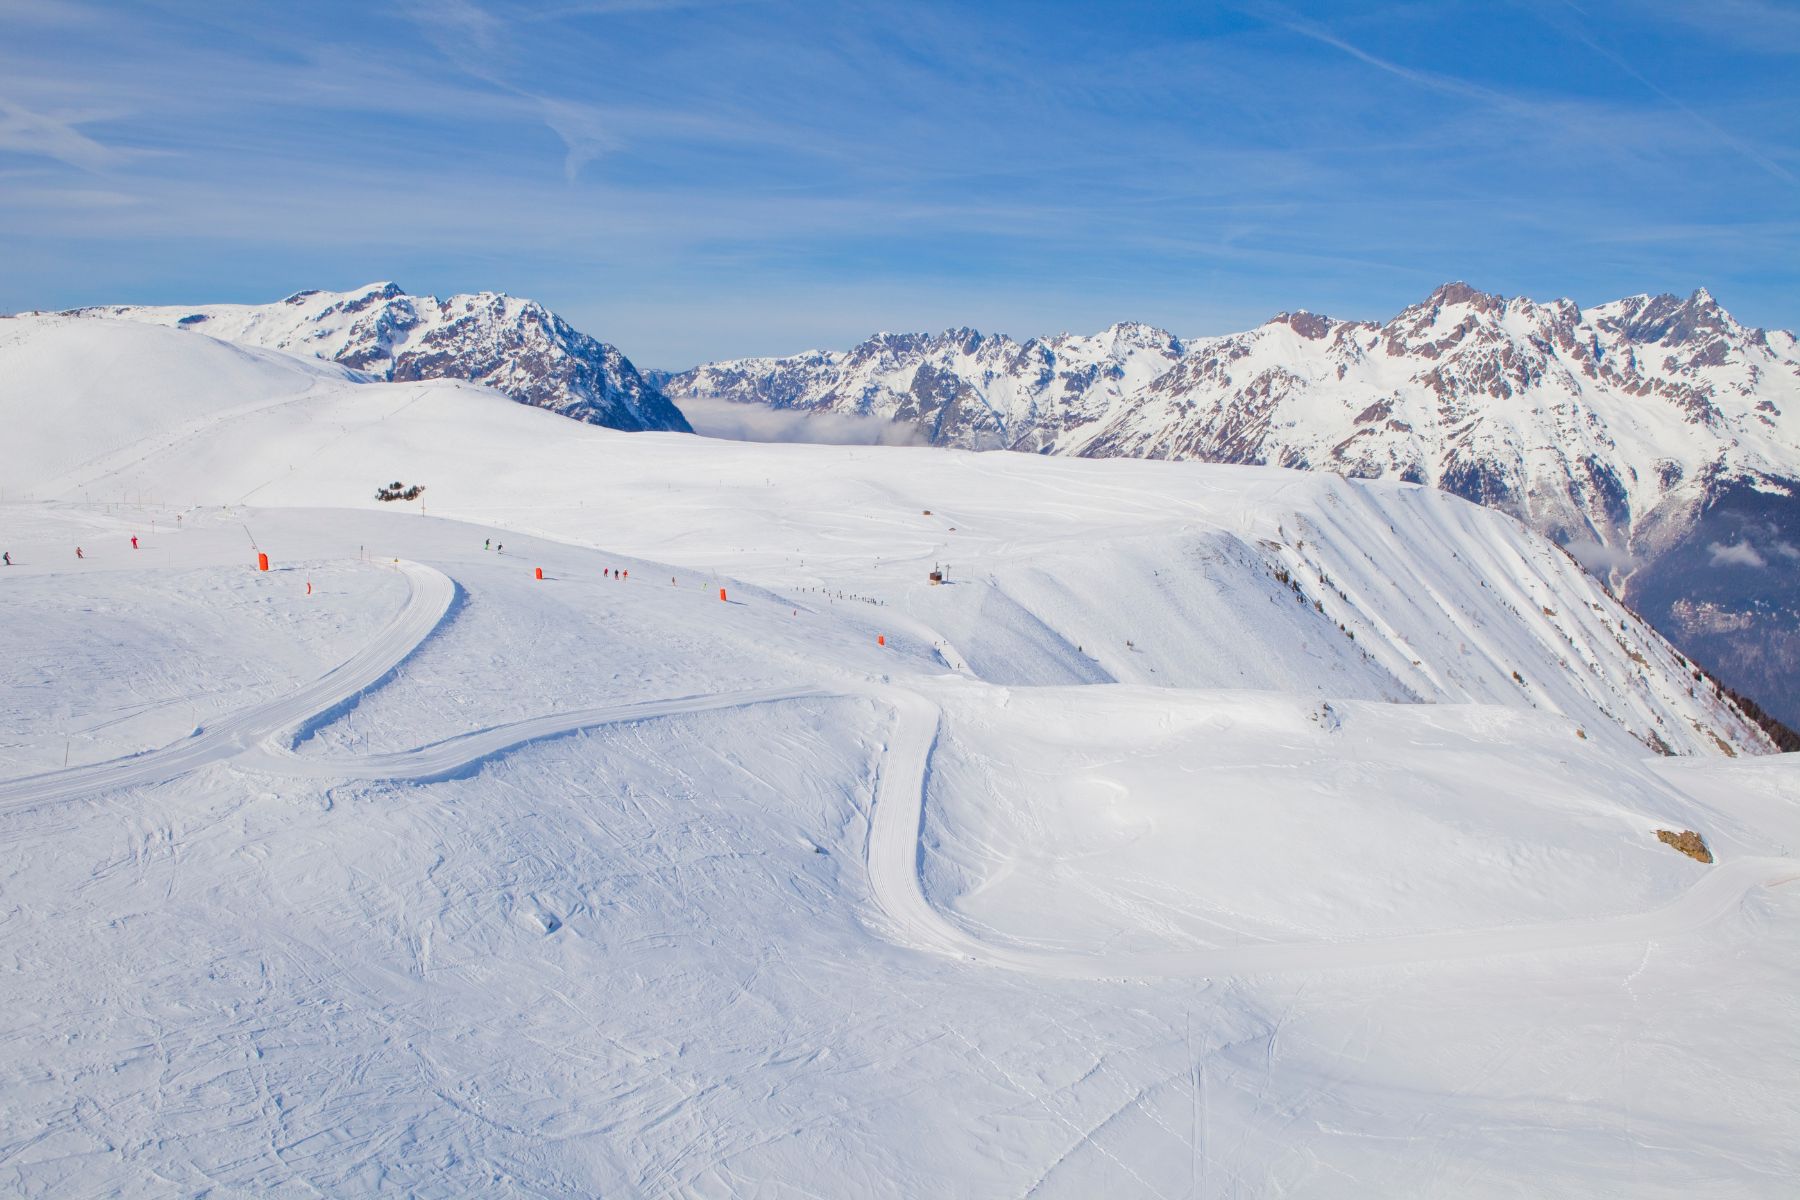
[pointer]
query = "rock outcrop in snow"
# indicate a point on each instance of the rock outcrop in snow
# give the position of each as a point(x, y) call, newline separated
point(515, 346)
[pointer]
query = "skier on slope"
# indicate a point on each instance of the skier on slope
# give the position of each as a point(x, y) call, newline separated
point(487, 543)
point(78, 553)
point(134, 541)
point(8, 557)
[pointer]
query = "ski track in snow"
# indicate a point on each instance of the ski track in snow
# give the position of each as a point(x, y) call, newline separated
point(428, 602)
point(459, 755)
point(262, 738)
point(894, 860)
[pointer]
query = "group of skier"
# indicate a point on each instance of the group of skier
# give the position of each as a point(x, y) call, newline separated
point(486, 544)
point(609, 572)
point(6, 555)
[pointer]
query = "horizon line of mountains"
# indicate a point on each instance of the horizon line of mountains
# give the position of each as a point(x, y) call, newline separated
point(1655, 437)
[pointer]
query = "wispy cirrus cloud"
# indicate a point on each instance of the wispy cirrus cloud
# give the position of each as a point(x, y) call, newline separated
point(55, 136)
point(1569, 19)
point(706, 178)
point(1767, 27)
point(1540, 111)
point(485, 43)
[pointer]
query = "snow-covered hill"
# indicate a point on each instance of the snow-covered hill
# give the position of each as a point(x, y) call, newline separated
point(1655, 437)
point(1620, 431)
point(1211, 829)
point(516, 346)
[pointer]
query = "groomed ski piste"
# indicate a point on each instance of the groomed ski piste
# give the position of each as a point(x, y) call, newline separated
point(1211, 831)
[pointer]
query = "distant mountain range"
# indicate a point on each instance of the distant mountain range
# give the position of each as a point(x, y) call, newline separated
point(1656, 438)
point(1581, 422)
point(514, 346)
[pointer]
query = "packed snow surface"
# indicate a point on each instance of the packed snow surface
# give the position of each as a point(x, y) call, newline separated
point(1209, 830)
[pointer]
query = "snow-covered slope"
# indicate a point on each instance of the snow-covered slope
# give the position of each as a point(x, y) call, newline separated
point(71, 394)
point(515, 346)
point(1213, 829)
point(1262, 578)
point(1616, 431)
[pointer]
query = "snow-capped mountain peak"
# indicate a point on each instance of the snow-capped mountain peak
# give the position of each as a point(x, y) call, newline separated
point(1490, 396)
point(512, 344)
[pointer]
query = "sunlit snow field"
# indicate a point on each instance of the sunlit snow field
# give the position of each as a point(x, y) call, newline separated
point(1212, 831)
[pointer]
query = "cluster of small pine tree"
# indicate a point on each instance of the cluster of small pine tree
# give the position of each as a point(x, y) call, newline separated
point(1786, 740)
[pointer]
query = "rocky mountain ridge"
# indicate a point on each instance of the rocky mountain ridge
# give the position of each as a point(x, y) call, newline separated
point(513, 345)
point(1577, 420)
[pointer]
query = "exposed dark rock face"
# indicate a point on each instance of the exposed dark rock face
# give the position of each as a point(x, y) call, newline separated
point(1480, 481)
point(1726, 590)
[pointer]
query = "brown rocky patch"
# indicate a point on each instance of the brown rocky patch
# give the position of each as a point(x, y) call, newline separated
point(1688, 842)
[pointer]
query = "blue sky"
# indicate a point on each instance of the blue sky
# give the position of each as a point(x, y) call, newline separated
point(696, 180)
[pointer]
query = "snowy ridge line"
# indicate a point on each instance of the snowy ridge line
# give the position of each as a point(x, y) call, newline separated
point(379, 332)
point(428, 603)
point(894, 860)
point(463, 753)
